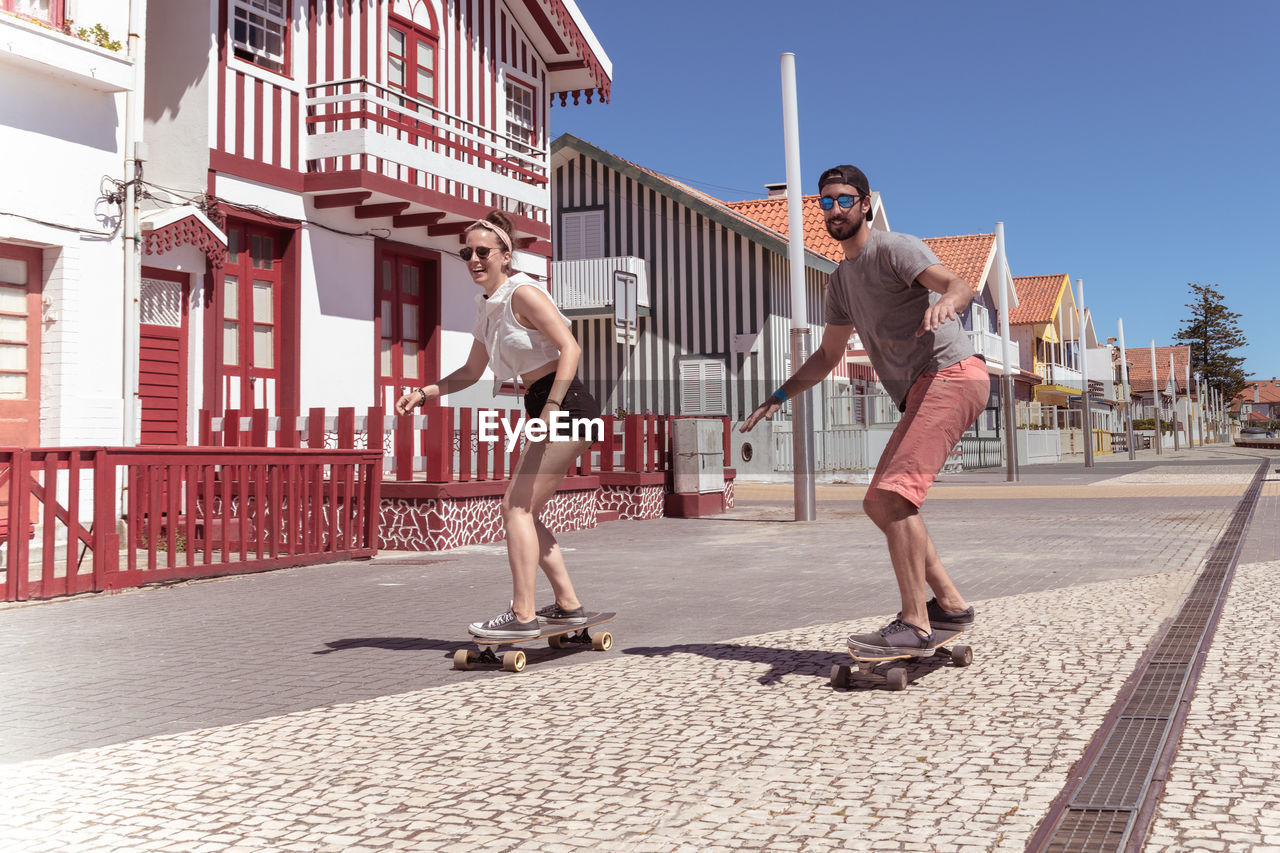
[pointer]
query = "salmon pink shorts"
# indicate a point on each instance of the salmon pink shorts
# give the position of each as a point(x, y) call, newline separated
point(940, 407)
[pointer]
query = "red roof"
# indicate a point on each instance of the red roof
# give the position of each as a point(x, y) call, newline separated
point(772, 213)
point(967, 255)
point(1268, 393)
point(1140, 366)
point(1038, 296)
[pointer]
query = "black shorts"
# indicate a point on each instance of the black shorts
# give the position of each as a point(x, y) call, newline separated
point(578, 402)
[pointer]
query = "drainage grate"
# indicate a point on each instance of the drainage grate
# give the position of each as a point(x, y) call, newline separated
point(1120, 772)
point(1113, 800)
point(1091, 831)
point(1158, 691)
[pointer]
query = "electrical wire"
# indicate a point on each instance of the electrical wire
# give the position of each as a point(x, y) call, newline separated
point(73, 228)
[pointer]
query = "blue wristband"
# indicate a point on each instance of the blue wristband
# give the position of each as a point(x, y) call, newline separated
point(779, 395)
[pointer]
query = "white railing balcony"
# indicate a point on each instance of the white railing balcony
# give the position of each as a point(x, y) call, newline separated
point(424, 144)
point(585, 287)
point(1058, 374)
point(988, 345)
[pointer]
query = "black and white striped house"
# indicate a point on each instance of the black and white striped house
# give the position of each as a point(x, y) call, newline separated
point(713, 301)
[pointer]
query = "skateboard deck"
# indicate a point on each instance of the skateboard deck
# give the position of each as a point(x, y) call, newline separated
point(557, 634)
point(896, 677)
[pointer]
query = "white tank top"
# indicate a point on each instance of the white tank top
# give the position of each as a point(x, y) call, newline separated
point(513, 348)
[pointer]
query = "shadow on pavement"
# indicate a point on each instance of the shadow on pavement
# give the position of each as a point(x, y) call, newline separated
point(394, 644)
point(781, 662)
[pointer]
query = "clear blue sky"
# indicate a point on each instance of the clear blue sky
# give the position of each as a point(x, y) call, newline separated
point(1131, 145)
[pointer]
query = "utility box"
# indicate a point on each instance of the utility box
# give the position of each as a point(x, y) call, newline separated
point(697, 445)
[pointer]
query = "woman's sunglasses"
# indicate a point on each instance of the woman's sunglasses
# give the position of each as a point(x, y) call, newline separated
point(482, 252)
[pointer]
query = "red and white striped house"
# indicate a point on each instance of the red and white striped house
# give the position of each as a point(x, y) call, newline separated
point(311, 165)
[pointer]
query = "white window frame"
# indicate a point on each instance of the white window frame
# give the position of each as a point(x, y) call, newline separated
point(522, 116)
point(702, 386)
point(245, 11)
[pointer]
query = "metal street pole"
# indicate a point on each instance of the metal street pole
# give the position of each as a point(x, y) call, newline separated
point(1085, 411)
point(802, 417)
point(1155, 395)
point(1124, 382)
point(1008, 402)
point(1173, 377)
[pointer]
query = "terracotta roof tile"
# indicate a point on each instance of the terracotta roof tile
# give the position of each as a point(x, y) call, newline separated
point(1037, 298)
point(772, 214)
point(1140, 366)
point(966, 255)
point(1268, 392)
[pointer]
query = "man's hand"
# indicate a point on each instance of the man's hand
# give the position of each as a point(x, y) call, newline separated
point(762, 411)
point(409, 402)
point(942, 311)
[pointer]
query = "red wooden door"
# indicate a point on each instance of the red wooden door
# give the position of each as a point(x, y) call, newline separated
point(252, 287)
point(20, 291)
point(407, 320)
point(162, 357)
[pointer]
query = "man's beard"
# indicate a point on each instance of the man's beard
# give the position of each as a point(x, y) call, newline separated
point(843, 230)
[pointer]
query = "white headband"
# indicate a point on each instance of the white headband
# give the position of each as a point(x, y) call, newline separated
point(502, 235)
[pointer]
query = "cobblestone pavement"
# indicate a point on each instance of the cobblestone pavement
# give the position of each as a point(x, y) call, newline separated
point(695, 736)
point(1222, 791)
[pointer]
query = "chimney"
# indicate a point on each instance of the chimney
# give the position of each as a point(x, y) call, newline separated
point(776, 190)
point(1255, 392)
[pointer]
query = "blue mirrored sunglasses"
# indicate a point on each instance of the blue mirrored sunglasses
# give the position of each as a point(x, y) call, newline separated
point(846, 201)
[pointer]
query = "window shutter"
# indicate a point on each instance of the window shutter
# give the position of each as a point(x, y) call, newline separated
point(690, 387)
point(713, 402)
point(702, 385)
point(571, 237)
point(593, 233)
point(582, 234)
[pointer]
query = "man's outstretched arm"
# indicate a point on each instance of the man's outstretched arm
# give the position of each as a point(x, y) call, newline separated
point(814, 369)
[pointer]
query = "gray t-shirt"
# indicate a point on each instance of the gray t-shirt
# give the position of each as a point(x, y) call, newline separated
point(877, 293)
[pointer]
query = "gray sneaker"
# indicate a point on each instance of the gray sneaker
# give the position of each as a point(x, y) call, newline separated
point(949, 620)
point(505, 626)
point(555, 613)
point(898, 637)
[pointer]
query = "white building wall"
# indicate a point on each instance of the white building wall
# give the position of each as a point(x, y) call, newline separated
point(62, 116)
point(336, 321)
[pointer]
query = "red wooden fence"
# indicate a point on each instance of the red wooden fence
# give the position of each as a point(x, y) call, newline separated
point(183, 513)
point(441, 444)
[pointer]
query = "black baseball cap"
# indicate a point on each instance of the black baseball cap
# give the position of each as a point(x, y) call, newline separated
point(846, 174)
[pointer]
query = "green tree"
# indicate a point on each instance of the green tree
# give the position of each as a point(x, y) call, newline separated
point(1213, 333)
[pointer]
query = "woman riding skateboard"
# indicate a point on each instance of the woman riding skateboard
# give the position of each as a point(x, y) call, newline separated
point(520, 332)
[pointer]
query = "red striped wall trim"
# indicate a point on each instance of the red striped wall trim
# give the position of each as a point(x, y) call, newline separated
point(243, 167)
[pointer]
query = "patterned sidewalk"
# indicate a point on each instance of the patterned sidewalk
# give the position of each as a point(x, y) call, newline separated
point(717, 746)
point(740, 745)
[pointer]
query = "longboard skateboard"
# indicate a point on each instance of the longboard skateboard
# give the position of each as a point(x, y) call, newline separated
point(557, 634)
point(896, 677)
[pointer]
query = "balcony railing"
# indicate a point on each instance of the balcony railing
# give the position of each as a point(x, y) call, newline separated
point(1057, 374)
point(586, 286)
point(415, 141)
point(988, 345)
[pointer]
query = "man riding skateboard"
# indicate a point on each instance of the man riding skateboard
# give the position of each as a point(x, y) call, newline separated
point(905, 306)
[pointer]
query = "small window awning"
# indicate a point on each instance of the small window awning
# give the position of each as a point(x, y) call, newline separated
point(166, 230)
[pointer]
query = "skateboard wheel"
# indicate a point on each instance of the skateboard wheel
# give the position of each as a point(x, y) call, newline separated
point(556, 642)
point(839, 675)
point(602, 642)
point(464, 659)
point(513, 661)
point(896, 679)
point(962, 655)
